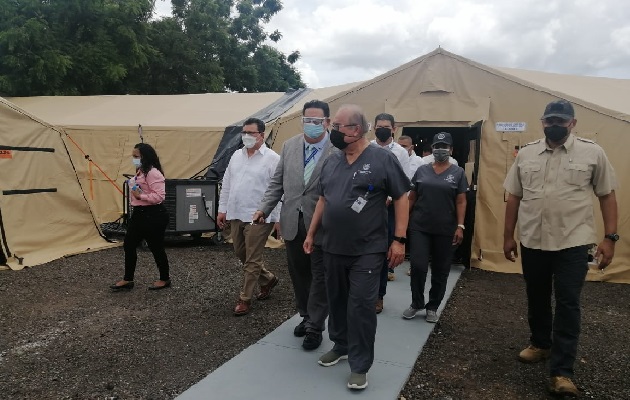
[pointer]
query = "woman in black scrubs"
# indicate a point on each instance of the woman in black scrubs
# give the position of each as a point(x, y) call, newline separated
point(436, 224)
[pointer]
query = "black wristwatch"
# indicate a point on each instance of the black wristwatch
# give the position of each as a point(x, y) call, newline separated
point(613, 236)
point(400, 239)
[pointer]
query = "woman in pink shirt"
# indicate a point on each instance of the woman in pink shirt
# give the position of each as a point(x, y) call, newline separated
point(149, 217)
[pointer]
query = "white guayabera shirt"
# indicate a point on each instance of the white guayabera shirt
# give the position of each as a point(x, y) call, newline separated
point(245, 182)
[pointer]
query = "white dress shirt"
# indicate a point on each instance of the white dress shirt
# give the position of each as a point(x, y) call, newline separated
point(415, 161)
point(429, 160)
point(400, 153)
point(245, 182)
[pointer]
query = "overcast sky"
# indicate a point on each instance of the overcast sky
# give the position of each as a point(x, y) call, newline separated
point(344, 41)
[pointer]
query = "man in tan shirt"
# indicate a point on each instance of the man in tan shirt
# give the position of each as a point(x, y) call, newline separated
point(550, 188)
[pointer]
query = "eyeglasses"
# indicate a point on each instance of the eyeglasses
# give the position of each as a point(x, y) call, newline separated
point(249, 133)
point(338, 126)
point(313, 120)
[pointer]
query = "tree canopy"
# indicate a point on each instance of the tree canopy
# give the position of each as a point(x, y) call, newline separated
point(90, 47)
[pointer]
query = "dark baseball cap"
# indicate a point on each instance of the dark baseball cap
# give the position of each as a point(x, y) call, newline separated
point(442, 137)
point(559, 108)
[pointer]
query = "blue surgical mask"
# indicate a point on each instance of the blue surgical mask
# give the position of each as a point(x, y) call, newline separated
point(313, 131)
point(136, 162)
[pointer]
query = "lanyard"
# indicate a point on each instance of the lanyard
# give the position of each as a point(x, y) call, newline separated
point(310, 157)
point(369, 190)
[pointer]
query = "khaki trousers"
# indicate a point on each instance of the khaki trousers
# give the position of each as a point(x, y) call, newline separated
point(249, 243)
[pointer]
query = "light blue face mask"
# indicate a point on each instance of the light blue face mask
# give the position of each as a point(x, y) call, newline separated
point(136, 162)
point(313, 131)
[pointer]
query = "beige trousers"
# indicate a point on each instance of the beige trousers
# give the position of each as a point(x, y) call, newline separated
point(249, 244)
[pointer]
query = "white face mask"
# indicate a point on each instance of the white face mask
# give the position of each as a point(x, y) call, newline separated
point(248, 141)
point(136, 162)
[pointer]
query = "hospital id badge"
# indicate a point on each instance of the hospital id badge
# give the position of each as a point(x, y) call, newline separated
point(358, 205)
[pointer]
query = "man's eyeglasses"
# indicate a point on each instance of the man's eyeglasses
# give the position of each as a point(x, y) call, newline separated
point(313, 120)
point(249, 133)
point(338, 126)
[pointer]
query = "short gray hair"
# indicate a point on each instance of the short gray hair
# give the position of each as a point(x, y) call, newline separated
point(357, 116)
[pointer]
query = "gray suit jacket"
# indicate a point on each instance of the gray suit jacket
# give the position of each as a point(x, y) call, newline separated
point(288, 180)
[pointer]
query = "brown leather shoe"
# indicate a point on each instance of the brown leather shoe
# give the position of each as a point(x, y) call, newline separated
point(561, 385)
point(379, 306)
point(533, 354)
point(265, 291)
point(242, 307)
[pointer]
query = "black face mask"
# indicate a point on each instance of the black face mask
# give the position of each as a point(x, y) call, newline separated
point(383, 134)
point(555, 133)
point(336, 138)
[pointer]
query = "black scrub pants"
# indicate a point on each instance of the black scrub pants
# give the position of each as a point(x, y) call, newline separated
point(440, 249)
point(561, 272)
point(309, 282)
point(352, 285)
point(148, 223)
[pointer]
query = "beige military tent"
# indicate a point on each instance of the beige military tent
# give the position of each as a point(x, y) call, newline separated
point(491, 113)
point(44, 214)
point(184, 129)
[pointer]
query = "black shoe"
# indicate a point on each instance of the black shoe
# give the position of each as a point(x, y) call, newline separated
point(166, 284)
point(300, 330)
point(126, 286)
point(312, 340)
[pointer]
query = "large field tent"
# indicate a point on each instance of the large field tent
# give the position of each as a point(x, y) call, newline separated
point(491, 113)
point(184, 129)
point(44, 213)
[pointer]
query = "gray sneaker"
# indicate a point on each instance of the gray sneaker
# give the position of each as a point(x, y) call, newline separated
point(410, 313)
point(357, 381)
point(432, 316)
point(331, 358)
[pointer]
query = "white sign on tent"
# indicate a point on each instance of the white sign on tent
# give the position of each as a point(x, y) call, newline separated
point(510, 126)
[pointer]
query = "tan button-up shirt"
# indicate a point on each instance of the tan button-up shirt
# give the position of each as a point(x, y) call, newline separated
point(555, 187)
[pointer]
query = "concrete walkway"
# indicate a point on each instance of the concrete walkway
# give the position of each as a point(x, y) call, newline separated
point(276, 367)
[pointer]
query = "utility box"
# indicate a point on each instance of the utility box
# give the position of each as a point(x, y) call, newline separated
point(192, 205)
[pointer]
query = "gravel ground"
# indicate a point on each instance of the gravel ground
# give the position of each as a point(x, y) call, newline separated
point(472, 353)
point(64, 335)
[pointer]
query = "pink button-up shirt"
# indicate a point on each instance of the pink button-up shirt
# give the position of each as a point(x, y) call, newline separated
point(152, 186)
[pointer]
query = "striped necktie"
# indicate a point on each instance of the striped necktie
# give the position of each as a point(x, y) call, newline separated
point(309, 162)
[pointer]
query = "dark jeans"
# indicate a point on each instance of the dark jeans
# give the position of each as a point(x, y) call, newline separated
point(352, 286)
point(148, 223)
point(391, 226)
point(561, 272)
point(309, 282)
point(440, 249)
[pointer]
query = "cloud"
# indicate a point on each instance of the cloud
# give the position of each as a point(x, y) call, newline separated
point(345, 41)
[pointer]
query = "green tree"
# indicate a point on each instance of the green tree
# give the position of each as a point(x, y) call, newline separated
point(229, 38)
point(86, 47)
point(72, 46)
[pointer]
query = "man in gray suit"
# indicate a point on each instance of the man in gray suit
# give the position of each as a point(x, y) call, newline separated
point(297, 177)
